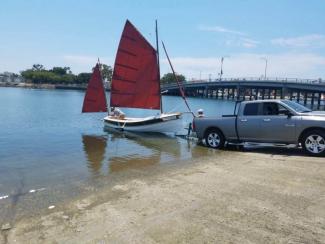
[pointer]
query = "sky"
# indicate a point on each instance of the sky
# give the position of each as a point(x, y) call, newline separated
point(289, 34)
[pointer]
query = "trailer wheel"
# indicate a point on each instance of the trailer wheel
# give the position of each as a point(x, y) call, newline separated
point(313, 143)
point(214, 139)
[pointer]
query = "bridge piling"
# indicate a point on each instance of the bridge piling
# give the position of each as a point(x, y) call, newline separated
point(319, 100)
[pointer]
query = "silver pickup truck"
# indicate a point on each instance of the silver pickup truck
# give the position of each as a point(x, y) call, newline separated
point(266, 121)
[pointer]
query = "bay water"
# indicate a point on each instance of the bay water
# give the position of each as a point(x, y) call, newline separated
point(50, 151)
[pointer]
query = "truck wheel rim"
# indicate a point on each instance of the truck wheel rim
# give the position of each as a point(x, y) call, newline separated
point(315, 144)
point(213, 139)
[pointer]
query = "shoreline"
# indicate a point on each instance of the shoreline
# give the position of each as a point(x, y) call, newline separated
point(47, 86)
point(228, 196)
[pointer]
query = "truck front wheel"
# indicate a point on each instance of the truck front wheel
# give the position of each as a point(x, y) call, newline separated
point(214, 138)
point(313, 143)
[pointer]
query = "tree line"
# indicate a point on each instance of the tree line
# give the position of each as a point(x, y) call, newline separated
point(63, 75)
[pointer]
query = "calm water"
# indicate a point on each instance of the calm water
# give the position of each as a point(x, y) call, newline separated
point(49, 151)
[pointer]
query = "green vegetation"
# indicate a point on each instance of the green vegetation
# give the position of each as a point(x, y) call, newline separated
point(61, 75)
point(170, 78)
point(107, 72)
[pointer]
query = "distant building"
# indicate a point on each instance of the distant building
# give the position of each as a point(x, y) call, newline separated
point(9, 77)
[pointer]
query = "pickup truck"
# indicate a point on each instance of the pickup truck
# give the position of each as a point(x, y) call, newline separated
point(265, 121)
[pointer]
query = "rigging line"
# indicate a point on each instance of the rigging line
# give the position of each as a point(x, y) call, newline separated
point(178, 83)
point(158, 64)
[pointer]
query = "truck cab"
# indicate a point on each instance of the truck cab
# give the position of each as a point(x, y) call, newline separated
point(266, 121)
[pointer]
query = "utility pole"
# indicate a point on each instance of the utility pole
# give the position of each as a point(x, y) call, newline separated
point(221, 66)
point(221, 71)
point(265, 67)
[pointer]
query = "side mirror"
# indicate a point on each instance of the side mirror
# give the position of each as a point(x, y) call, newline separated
point(287, 113)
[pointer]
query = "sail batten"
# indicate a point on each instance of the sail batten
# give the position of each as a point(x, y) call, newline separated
point(127, 67)
point(95, 98)
point(135, 81)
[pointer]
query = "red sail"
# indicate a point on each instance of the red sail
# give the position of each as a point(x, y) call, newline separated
point(95, 98)
point(135, 82)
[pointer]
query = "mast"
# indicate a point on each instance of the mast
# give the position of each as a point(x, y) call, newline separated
point(157, 51)
point(101, 75)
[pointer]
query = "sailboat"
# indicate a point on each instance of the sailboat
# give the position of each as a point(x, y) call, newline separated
point(95, 97)
point(136, 84)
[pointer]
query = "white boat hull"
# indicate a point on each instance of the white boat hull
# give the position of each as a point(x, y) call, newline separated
point(164, 123)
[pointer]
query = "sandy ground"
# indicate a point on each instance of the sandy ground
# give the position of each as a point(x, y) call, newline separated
point(230, 197)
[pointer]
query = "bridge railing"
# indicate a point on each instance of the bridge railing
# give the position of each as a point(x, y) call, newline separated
point(254, 79)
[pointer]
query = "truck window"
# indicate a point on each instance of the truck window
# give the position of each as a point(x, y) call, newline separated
point(270, 109)
point(251, 109)
point(273, 109)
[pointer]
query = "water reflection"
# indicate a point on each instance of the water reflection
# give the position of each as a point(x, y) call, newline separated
point(151, 149)
point(94, 147)
point(121, 151)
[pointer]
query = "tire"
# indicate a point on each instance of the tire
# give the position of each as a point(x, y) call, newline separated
point(214, 139)
point(313, 142)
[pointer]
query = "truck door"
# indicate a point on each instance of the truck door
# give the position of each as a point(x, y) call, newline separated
point(276, 125)
point(248, 122)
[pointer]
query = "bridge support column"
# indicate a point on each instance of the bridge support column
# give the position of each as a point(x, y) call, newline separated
point(238, 92)
point(298, 96)
point(312, 100)
point(291, 94)
point(206, 92)
point(318, 101)
point(305, 97)
point(222, 93)
point(283, 93)
point(263, 93)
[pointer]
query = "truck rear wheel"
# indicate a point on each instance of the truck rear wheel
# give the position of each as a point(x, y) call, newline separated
point(313, 142)
point(214, 138)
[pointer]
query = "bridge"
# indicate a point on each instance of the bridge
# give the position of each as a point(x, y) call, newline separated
point(306, 91)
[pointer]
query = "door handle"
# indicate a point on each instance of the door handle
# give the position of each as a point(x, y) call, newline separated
point(243, 120)
point(266, 120)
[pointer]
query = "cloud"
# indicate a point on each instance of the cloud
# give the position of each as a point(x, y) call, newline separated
point(314, 40)
point(237, 38)
point(286, 65)
point(221, 30)
point(242, 42)
point(249, 43)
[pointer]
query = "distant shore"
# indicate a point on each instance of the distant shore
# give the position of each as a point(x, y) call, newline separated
point(46, 86)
